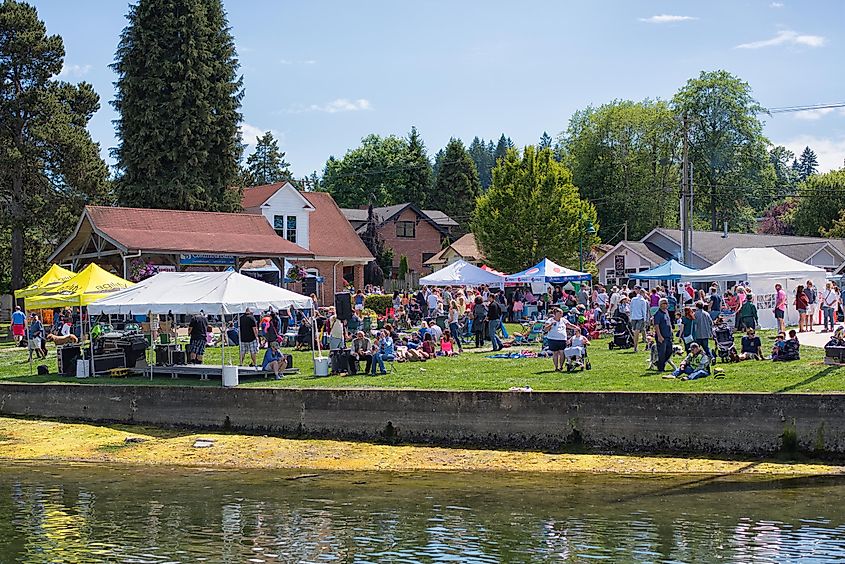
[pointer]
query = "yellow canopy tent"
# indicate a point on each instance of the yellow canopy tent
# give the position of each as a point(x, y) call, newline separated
point(50, 279)
point(89, 285)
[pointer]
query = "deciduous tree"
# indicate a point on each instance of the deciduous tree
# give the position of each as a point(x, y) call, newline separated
point(531, 211)
point(820, 204)
point(731, 168)
point(375, 172)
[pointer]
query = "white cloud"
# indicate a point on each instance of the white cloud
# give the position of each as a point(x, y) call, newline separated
point(812, 115)
point(74, 70)
point(785, 37)
point(249, 133)
point(667, 18)
point(830, 151)
point(335, 106)
point(776, 5)
point(305, 62)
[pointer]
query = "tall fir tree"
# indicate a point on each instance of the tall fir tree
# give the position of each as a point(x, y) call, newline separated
point(418, 180)
point(457, 185)
point(178, 99)
point(502, 147)
point(49, 166)
point(266, 165)
point(482, 156)
point(545, 142)
point(808, 164)
point(438, 161)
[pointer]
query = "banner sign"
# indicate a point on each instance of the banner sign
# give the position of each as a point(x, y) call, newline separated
point(206, 260)
point(619, 265)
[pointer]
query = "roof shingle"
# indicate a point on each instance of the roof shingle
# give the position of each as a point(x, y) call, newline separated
point(191, 232)
point(330, 234)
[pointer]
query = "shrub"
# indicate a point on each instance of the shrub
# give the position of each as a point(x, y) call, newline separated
point(378, 303)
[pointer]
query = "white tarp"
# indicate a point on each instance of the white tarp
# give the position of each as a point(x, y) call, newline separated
point(760, 269)
point(190, 292)
point(462, 273)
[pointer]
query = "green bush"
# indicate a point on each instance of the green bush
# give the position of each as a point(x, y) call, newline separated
point(378, 303)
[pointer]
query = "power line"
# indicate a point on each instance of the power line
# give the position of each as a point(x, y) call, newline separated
point(807, 108)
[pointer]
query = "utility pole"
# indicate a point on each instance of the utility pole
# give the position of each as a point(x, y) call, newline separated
point(686, 219)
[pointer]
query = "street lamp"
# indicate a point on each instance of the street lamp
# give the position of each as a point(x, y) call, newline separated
point(590, 230)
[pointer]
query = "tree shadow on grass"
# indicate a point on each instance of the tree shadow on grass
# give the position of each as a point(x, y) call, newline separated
point(817, 376)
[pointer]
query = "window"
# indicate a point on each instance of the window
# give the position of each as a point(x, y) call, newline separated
point(406, 229)
point(291, 229)
point(279, 225)
point(426, 256)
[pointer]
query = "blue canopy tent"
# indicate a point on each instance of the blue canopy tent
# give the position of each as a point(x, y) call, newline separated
point(548, 272)
point(669, 270)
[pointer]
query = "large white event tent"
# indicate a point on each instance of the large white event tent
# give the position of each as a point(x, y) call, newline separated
point(761, 269)
point(462, 273)
point(215, 293)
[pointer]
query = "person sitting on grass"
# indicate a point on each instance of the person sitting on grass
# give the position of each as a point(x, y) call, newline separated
point(777, 348)
point(427, 347)
point(274, 360)
point(383, 350)
point(751, 348)
point(448, 345)
point(696, 365)
point(786, 349)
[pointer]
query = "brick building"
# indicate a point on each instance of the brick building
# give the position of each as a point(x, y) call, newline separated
point(407, 230)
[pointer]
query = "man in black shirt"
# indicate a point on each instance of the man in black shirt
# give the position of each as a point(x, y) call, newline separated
point(494, 319)
point(249, 336)
point(199, 330)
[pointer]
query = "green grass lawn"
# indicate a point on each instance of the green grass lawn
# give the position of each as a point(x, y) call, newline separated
point(612, 371)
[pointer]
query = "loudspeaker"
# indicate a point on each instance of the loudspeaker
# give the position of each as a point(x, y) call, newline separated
point(67, 356)
point(343, 306)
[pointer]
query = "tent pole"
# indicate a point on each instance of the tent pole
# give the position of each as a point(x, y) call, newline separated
point(26, 334)
point(222, 342)
point(152, 344)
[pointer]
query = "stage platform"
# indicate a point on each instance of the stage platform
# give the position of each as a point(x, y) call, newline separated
point(206, 371)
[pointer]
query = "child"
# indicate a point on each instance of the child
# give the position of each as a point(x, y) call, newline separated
point(447, 344)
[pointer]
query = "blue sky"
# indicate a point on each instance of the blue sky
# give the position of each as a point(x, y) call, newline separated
point(323, 74)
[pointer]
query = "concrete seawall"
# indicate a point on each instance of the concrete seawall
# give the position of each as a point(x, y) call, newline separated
point(657, 422)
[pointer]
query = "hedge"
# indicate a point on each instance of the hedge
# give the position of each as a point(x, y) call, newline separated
point(378, 303)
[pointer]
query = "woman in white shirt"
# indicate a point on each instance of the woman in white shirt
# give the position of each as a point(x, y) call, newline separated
point(555, 329)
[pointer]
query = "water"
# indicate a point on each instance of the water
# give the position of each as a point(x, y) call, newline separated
point(138, 515)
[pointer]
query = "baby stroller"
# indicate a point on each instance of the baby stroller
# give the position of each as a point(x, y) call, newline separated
point(623, 337)
point(725, 344)
point(576, 357)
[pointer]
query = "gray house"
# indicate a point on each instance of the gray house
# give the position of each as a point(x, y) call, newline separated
point(709, 247)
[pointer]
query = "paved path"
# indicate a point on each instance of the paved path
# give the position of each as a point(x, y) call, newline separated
point(814, 339)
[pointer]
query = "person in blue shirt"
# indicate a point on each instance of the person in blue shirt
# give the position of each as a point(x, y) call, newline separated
point(274, 360)
point(384, 351)
point(18, 325)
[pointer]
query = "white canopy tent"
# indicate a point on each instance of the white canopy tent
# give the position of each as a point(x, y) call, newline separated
point(462, 273)
point(191, 292)
point(760, 269)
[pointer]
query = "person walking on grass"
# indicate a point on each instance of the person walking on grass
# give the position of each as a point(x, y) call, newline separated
point(780, 308)
point(663, 334)
point(555, 329)
point(702, 328)
point(36, 335)
point(639, 314)
point(248, 337)
point(494, 320)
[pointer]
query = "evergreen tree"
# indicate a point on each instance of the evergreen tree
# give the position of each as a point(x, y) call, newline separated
point(457, 185)
point(808, 164)
point(418, 176)
point(49, 166)
point(545, 142)
point(438, 160)
point(178, 99)
point(266, 165)
point(482, 156)
point(502, 147)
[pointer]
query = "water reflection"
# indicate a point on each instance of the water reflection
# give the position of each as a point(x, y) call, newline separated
point(85, 514)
